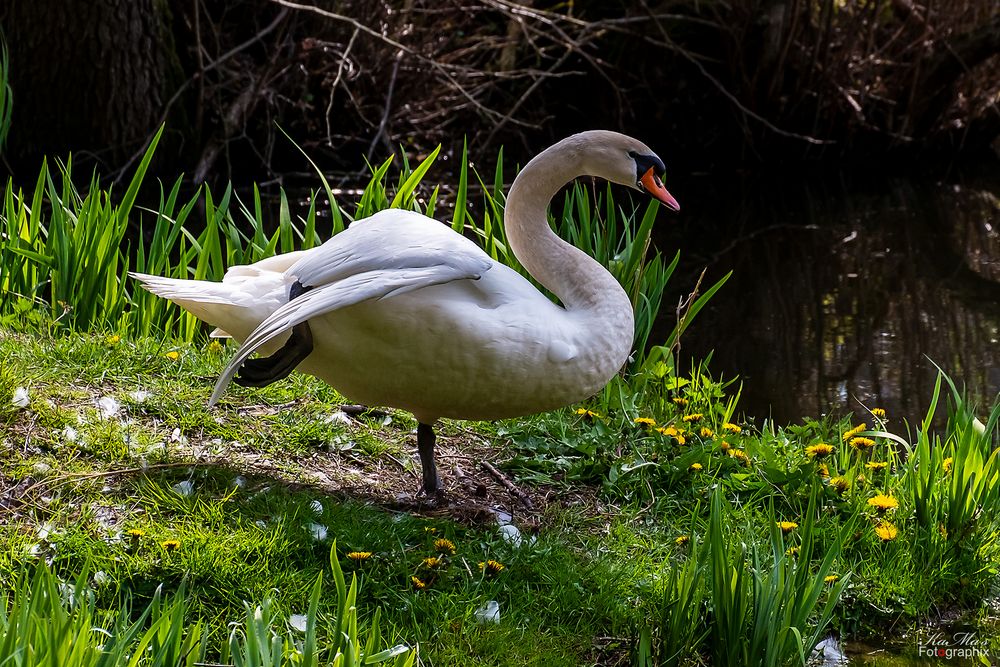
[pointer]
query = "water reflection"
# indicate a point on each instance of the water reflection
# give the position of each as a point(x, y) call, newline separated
point(842, 291)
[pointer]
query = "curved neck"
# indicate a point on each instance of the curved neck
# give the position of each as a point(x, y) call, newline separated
point(579, 281)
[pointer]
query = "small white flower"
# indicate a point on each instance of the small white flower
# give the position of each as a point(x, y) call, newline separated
point(298, 622)
point(21, 399)
point(316, 506)
point(489, 612)
point(108, 406)
point(100, 578)
point(318, 531)
point(185, 488)
point(69, 434)
point(140, 395)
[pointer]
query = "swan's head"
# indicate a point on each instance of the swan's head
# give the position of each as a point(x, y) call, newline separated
point(624, 160)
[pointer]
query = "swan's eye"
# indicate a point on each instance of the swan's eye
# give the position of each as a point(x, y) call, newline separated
point(645, 162)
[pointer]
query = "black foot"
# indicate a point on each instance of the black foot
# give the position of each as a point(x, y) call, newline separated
point(262, 372)
point(425, 447)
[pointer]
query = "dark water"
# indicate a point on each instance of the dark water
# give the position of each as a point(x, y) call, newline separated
point(844, 288)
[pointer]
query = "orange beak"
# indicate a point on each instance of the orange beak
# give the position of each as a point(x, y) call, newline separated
point(654, 186)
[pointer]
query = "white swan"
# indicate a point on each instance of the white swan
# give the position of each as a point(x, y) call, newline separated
point(398, 310)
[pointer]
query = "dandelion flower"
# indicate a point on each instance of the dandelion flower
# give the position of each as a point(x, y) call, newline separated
point(793, 551)
point(696, 467)
point(840, 484)
point(136, 533)
point(444, 546)
point(947, 463)
point(877, 465)
point(823, 470)
point(214, 347)
point(587, 414)
point(680, 402)
point(819, 450)
point(693, 418)
point(883, 503)
point(854, 431)
point(732, 428)
point(682, 540)
point(680, 439)
point(862, 444)
point(173, 355)
point(359, 556)
point(878, 413)
point(886, 531)
point(645, 422)
point(430, 529)
point(724, 446)
point(740, 456)
point(831, 578)
point(170, 545)
point(669, 431)
point(433, 562)
point(418, 583)
point(113, 339)
point(492, 567)
point(786, 526)
point(707, 432)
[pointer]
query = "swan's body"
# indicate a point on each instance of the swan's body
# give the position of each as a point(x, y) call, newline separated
point(398, 310)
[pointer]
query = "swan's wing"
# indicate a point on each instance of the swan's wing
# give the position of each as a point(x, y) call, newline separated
point(392, 239)
point(351, 290)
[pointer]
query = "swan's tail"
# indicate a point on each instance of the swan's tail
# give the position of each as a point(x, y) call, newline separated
point(229, 306)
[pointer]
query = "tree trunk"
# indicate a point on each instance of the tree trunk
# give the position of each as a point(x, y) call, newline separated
point(88, 76)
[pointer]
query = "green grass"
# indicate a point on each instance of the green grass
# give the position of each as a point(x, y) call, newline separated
point(92, 492)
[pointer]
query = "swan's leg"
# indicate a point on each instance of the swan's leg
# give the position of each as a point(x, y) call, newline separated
point(262, 372)
point(425, 447)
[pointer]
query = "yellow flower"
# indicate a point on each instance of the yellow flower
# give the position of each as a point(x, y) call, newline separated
point(432, 562)
point(680, 402)
point(444, 546)
point(587, 414)
point(840, 484)
point(823, 470)
point(724, 446)
point(214, 347)
point(492, 567)
point(170, 545)
point(113, 339)
point(732, 428)
point(173, 355)
point(854, 431)
point(878, 413)
point(706, 432)
point(819, 450)
point(793, 551)
point(831, 579)
point(680, 439)
point(693, 417)
point(682, 540)
point(740, 456)
point(696, 467)
point(787, 526)
point(136, 533)
point(418, 583)
point(430, 529)
point(947, 463)
point(883, 503)
point(862, 444)
point(886, 531)
point(359, 555)
point(645, 422)
point(669, 431)
point(877, 465)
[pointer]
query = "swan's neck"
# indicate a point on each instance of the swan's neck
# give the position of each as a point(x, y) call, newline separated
point(580, 283)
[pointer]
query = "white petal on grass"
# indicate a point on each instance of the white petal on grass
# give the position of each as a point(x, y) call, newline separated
point(316, 506)
point(100, 578)
point(511, 535)
point(108, 406)
point(318, 531)
point(489, 612)
point(339, 417)
point(21, 398)
point(298, 622)
point(185, 488)
point(41, 468)
point(69, 434)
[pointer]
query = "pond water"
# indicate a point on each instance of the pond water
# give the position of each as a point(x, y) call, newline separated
point(845, 287)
